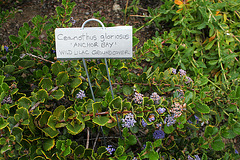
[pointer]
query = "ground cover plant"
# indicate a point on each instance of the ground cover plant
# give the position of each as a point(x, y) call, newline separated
point(178, 98)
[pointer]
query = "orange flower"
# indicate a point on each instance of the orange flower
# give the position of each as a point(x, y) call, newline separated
point(217, 12)
point(178, 2)
point(179, 10)
point(212, 38)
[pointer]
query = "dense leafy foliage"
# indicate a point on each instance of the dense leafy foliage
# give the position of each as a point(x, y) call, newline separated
point(178, 98)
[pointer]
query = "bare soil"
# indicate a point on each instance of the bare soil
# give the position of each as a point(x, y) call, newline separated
point(112, 10)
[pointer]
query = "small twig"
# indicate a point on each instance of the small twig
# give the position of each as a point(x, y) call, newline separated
point(232, 52)
point(95, 142)
point(1, 116)
point(37, 104)
point(139, 16)
point(104, 113)
point(91, 139)
point(236, 38)
point(39, 57)
point(140, 144)
point(83, 78)
point(54, 89)
point(87, 144)
point(125, 11)
point(16, 125)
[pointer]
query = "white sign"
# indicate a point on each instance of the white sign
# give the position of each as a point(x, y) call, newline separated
point(93, 42)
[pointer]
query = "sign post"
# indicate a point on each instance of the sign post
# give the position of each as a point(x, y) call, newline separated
point(94, 43)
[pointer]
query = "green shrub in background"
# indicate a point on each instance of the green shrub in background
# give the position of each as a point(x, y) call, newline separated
point(178, 98)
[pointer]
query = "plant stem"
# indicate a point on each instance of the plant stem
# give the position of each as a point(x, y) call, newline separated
point(220, 58)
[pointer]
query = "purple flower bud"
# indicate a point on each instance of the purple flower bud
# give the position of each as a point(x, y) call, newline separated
point(80, 94)
point(144, 124)
point(158, 134)
point(196, 117)
point(6, 48)
point(159, 125)
point(174, 71)
point(169, 120)
point(190, 122)
point(110, 149)
point(161, 110)
point(155, 97)
point(236, 152)
point(138, 98)
point(7, 100)
point(144, 146)
point(182, 72)
point(196, 157)
point(72, 21)
point(54, 51)
point(188, 80)
point(151, 118)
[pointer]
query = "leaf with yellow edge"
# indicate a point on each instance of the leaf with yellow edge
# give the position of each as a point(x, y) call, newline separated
point(50, 132)
point(58, 94)
point(75, 128)
point(76, 82)
point(24, 102)
point(59, 112)
point(3, 123)
point(48, 144)
point(42, 94)
point(52, 120)
point(100, 120)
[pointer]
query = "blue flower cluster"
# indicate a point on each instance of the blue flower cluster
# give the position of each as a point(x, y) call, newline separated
point(144, 124)
point(110, 149)
point(169, 120)
point(174, 71)
point(161, 110)
point(196, 157)
point(188, 80)
point(6, 48)
point(159, 125)
point(182, 72)
point(196, 117)
point(158, 134)
point(128, 121)
point(151, 117)
point(72, 21)
point(80, 94)
point(177, 109)
point(178, 94)
point(236, 152)
point(155, 97)
point(138, 98)
point(7, 100)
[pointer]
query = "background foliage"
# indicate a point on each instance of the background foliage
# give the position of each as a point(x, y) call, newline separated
point(47, 111)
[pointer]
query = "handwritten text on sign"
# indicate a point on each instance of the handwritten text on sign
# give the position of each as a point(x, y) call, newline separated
point(94, 42)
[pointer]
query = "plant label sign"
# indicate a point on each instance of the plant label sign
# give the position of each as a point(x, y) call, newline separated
point(94, 42)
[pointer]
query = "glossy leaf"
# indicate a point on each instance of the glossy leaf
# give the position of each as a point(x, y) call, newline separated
point(100, 120)
point(24, 102)
point(217, 144)
point(62, 78)
point(75, 128)
point(58, 94)
point(48, 144)
point(3, 123)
